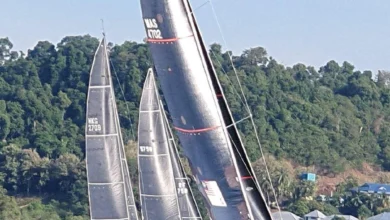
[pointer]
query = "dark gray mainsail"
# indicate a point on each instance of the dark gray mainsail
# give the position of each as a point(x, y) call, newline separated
point(200, 112)
point(109, 187)
point(159, 181)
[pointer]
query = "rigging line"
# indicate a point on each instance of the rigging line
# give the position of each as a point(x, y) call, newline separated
point(247, 106)
point(239, 121)
point(239, 154)
point(228, 77)
point(200, 6)
point(124, 98)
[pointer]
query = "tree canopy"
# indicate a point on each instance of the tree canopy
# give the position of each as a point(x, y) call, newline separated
point(330, 118)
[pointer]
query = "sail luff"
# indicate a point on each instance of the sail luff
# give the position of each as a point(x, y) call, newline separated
point(105, 169)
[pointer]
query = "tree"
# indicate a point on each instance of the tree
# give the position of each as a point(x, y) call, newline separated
point(5, 50)
point(8, 207)
point(299, 208)
point(4, 126)
point(328, 118)
point(338, 218)
point(383, 78)
point(364, 212)
point(255, 56)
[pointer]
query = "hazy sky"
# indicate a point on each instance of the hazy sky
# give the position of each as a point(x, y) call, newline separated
point(307, 31)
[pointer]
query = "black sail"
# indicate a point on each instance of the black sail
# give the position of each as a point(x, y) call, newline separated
point(187, 203)
point(163, 194)
point(200, 113)
point(109, 187)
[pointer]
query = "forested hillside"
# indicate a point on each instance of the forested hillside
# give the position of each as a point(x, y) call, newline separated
point(333, 118)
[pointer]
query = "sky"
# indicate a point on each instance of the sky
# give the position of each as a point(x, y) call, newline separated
point(311, 32)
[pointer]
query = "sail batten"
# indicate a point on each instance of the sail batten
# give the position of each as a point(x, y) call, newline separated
point(109, 188)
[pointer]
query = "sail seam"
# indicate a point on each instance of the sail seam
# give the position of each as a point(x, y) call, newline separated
point(99, 87)
point(147, 111)
point(101, 135)
point(97, 184)
point(191, 217)
point(150, 195)
point(152, 155)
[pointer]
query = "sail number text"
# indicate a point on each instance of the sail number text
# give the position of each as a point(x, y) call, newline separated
point(93, 124)
point(146, 149)
point(152, 29)
point(182, 189)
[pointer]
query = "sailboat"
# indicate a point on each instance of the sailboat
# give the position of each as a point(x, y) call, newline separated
point(109, 186)
point(164, 190)
point(200, 113)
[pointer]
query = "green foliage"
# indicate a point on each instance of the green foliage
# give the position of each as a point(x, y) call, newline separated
point(338, 218)
point(36, 210)
point(329, 118)
point(8, 207)
point(4, 126)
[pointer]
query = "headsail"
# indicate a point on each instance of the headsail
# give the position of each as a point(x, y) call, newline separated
point(109, 187)
point(200, 113)
point(158, 184)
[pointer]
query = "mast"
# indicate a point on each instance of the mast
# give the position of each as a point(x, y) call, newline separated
point(109, 187)
point(200, 113)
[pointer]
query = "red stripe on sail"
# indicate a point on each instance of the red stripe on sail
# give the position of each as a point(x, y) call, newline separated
point(246, 177)
point(162, 40)
point(167, 40)
point(196, 130)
